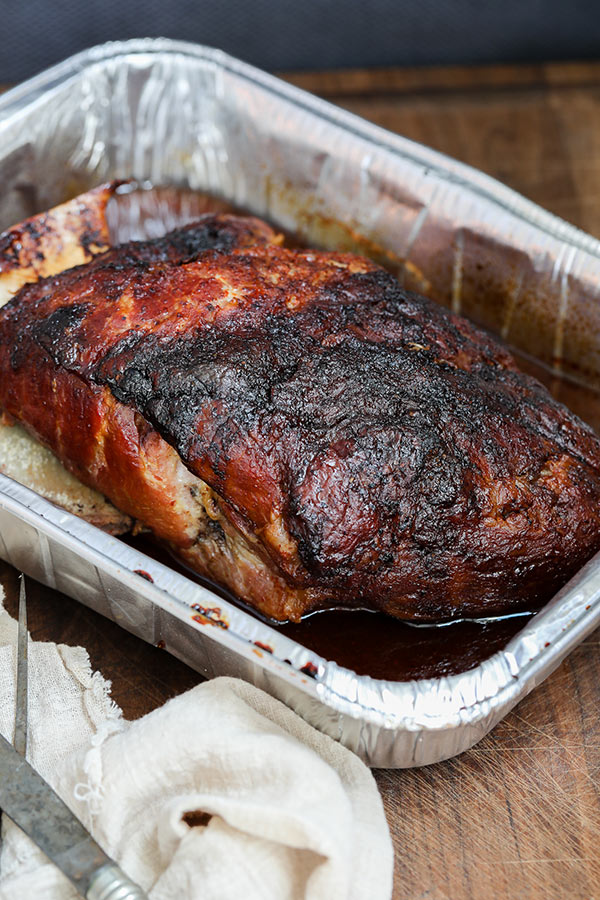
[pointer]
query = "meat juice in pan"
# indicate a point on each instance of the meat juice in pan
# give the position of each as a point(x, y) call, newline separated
point(369, 643)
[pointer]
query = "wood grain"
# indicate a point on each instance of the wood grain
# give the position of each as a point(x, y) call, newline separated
point(519, 815)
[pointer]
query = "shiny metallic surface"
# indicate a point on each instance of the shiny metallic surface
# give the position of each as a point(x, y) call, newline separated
point(168, 113)
point(109, 883)
point(32, 805)
point(20, 737)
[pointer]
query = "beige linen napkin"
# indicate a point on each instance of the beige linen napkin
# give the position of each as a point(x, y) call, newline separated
point(221, 793)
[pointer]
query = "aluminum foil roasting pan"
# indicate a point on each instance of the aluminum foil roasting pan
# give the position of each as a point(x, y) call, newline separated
point(168, 113)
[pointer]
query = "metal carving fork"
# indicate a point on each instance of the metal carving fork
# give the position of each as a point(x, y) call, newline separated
point(32, 804)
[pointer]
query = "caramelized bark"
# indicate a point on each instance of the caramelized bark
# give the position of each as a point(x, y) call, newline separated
point(352, 443)
point(64, 238)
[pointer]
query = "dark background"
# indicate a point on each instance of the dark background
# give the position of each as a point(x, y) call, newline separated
point(303, 34)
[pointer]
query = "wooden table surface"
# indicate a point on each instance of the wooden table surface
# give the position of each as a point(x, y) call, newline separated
point(519, 815)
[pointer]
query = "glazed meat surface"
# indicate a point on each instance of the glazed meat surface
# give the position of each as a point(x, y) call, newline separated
point(67, 236)
point(301, 429)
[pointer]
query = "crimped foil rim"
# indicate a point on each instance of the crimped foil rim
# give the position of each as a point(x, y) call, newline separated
point(450, 169)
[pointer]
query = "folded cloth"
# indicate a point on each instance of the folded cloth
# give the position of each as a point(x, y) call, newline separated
point(221, 793)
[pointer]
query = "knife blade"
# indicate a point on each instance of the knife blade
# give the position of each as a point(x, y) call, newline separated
point(20, 737)
point(35, 807)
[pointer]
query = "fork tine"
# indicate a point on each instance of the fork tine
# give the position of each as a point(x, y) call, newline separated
point(20, 738)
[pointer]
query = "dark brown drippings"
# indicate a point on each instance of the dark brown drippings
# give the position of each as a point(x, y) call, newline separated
point(143, 574)
point(382, 647)
point(372, 643)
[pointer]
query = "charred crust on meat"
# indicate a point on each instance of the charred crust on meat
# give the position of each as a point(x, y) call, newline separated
point(91, 237)
point(55, 329)
point(380, 450)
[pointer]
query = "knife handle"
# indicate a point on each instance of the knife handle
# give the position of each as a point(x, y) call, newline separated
point(110, 883)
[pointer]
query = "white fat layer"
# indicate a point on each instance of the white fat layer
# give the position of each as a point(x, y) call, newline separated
point(28, 462)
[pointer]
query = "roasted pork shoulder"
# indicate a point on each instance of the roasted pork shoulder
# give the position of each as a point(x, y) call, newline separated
point(299, 428)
